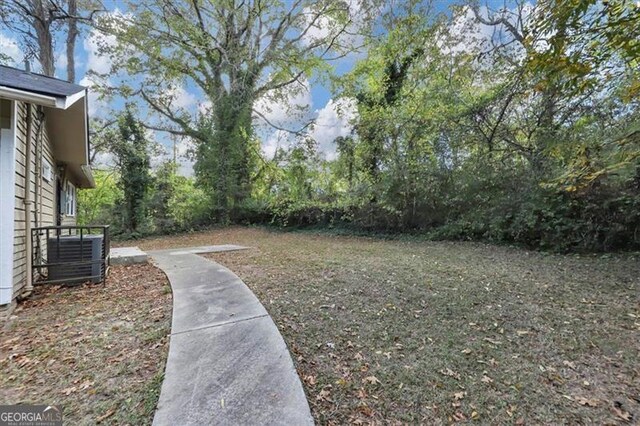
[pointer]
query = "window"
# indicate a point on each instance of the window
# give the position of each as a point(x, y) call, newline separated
point(70, 199)
point(47, 170)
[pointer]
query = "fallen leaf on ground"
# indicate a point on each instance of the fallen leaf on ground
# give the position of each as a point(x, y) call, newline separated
point(70, 390)
point(620, 412)
point(86, 384)
point(106, 415)
point(324, 395)
point(373, 380)
point(459, 416)
point(449, 372)
point(366, 410)
point(587, 402)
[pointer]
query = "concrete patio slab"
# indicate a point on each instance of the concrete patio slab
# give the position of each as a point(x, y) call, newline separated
point(228, 363)
point(127, 256)
point(205, 249)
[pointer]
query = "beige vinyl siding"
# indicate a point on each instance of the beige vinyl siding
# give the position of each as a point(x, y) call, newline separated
point(43, 208)
point(68, 220)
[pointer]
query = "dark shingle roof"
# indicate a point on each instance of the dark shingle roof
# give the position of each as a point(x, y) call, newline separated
point(36, 83)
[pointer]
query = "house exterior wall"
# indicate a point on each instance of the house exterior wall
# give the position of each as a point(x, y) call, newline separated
point(7, 200)
point(44, 198)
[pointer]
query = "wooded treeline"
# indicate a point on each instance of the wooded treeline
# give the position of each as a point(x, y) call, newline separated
point(529, 135)
point(517, 124)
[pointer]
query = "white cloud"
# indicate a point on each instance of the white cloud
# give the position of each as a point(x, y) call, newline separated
point(180, 97)
point(97, 61)
point(100, 45)
point(158, 151)
point(468, 34)
point(9, 47)
point(183, 152)
point(185, 168)
point(277, 139)
point(334, 120)
point(204, 106)
point(321, 26)
point(104, 159)
point(472, 36)
point(61, 63)
point(286, 108)
point(184, 149)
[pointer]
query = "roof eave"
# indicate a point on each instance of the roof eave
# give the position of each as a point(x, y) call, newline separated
point(89, 181)
point(31, 97)
point(57, 102)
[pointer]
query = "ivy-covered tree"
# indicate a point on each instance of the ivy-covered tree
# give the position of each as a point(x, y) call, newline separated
point(346, 149)
point(131, 152)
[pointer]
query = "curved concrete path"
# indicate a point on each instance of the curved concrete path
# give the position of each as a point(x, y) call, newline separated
point(227, 364)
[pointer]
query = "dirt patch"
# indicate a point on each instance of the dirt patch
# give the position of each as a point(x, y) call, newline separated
point(97, 350)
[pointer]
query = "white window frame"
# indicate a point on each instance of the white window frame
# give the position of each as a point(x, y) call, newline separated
point(69, 199)
point(47, 170)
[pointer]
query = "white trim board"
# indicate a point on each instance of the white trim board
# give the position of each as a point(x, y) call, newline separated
point(7, 206)
point(59, 102)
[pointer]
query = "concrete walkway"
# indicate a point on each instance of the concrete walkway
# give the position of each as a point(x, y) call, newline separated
point(127, 256)
point(228, 364)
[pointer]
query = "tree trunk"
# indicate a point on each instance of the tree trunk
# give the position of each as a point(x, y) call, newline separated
point(223, 162)
point(42, 24)
point(71, 40)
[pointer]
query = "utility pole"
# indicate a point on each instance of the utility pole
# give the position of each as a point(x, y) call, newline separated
point(175, 150)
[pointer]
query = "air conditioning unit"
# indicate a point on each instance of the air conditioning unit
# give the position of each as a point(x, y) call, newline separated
point(68, 254)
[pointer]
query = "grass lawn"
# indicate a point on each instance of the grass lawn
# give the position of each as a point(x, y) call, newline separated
point(439, 332)
point(97, 350)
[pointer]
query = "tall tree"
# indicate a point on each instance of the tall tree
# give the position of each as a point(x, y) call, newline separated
point(131, 150)
point(345, 146)
point(234, 52)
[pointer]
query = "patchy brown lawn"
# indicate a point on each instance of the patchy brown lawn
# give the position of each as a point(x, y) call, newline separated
point(440, 332)
point(97, 350)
